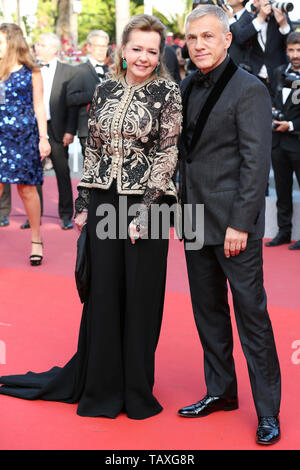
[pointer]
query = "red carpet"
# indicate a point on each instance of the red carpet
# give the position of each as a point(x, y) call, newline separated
point(39, 321)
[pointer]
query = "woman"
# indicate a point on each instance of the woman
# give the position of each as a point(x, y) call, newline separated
point(23, 127)
point(131, 154)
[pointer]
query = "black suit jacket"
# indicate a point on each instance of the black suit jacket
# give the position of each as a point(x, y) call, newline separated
point(288, 141)
point(81, 92)
point(240, 51)
point(63, 117)
point(171, 61)
point(275, 48)
point(228, 167)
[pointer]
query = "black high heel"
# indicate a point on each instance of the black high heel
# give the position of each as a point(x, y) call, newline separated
point(36, 260)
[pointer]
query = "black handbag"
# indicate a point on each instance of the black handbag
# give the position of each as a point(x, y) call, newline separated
point(82, 268)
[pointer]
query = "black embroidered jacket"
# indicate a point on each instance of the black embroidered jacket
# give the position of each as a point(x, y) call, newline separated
point(133, 133)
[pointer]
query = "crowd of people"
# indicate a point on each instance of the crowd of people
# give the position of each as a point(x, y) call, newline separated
point(133, 123)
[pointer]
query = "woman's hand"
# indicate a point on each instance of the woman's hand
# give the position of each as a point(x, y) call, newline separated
point(136, 232)
point(81, 219)
point(44, 148)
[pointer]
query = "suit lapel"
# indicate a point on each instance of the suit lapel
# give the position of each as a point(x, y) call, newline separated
point(93, 70)
point(55, 82)
point(212, 99)
point(185, 98)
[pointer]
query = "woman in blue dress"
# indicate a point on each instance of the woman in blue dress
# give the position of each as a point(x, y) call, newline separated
point(23, 127)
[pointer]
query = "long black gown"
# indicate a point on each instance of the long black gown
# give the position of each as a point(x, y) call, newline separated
point(113, 368)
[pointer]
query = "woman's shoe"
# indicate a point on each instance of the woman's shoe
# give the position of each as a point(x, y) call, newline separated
point(36, 260)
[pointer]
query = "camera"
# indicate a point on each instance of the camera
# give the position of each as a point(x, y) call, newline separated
point(285, 7)
point(221, 3)
point(277, 115)
point(288, 79)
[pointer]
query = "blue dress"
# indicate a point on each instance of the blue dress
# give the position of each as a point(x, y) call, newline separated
point(20, 160)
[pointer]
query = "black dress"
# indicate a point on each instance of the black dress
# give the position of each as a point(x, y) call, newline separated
point(113, 368)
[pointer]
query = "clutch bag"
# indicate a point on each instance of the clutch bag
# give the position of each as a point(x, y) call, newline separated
point(82, 268)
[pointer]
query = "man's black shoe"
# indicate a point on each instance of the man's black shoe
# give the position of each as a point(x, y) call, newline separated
point(268, 431)
point(280, 239)
point(25, 225)
point(296, 246)
point(4, 221)
point(66, 224)
point(208, 405)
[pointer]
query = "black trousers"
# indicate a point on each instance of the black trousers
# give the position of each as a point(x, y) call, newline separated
point(285, 164)
point(114, 367)
point(59, 157)
point(208, 271)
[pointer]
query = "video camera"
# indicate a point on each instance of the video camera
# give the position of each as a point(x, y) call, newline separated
point(288, 79)
point(277, 115)
point(285, 7)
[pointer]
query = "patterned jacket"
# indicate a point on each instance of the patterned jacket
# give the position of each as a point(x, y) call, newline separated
point(133, 133)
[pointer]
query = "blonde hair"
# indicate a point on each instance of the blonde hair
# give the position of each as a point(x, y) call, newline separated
point(142, 23)
point(17, 50)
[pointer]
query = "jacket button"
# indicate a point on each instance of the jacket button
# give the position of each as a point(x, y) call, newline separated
point(189, 160)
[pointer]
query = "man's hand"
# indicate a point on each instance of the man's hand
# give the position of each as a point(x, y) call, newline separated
point(67, 139)
point(280, 17)
point(227, 11)
point(235, 242)
point(282, 126)
point(264, 11)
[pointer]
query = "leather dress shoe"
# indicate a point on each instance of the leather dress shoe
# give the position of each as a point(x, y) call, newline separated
point(280, 239)
point(66, 224)
point(208, 405)
point(296, 246)
point(268, 431)
point(4, 221)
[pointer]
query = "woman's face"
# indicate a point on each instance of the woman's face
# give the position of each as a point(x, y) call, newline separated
point(3, 45)
point(142, 55)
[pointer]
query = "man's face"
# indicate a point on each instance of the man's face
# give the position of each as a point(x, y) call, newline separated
point(234, 3)
point(98, 48)
point(260, 3)
point(207, 43)
point(293, 53)
point(46, 50)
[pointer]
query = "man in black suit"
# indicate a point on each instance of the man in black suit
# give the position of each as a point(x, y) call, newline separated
point(239, 51)
point(286, 142)
point(267, 33)
point(225, 151)
point(88, 76)
point(61, 119)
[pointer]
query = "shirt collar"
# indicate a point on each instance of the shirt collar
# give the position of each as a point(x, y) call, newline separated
point(94, 62)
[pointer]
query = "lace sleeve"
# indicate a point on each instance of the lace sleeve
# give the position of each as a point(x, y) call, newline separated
point(165, 160)
point(93, 142)
point(82, 201)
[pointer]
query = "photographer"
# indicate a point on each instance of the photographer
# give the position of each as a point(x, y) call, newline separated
point(286, 143)
point(267, 32)
point(238, 17)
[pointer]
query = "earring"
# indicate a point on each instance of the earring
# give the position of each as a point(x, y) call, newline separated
point(124, 64)
point(157, 69)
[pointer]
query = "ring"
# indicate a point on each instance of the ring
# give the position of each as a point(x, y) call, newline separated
point(136, 236)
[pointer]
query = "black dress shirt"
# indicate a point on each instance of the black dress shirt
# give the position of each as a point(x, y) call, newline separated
point(199, 94)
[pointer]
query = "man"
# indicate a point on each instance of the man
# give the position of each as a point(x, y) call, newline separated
point(239, 52)
point(61, 120)
point(5, 206)
point(267, 32)
point(225, 158)
point(185, 54)
point(88, 76)
point(286, 143)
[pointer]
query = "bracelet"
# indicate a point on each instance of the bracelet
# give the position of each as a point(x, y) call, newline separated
point(44, 137)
